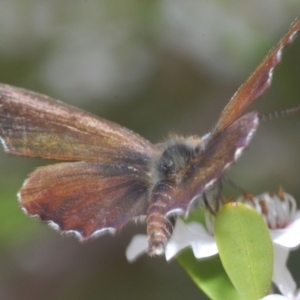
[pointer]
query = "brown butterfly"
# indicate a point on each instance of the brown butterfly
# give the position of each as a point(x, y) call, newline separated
point(113, 175)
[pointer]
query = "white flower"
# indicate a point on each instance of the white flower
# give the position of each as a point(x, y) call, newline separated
point(137, 247)
point(281, 275)
point(192, 234)
point(184, 235)
point(282, 218)
point(279, 212)
point(280, 297)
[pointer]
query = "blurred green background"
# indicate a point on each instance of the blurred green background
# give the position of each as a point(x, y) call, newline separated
point(156, 67)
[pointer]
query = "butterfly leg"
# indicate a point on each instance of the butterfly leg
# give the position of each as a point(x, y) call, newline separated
point(207, 204)
point(216, 198)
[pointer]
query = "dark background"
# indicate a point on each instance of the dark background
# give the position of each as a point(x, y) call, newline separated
point(156, 67)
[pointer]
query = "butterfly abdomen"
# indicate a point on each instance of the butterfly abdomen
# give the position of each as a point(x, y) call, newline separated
point(159, 227)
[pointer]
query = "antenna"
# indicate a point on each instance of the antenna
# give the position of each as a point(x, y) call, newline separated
point(278, 114)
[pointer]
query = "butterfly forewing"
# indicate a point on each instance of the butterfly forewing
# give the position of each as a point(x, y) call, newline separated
point(257, 83)
point(36, 125)
point(86, 198)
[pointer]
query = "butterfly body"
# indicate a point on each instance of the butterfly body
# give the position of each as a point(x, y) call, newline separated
point(110, 175)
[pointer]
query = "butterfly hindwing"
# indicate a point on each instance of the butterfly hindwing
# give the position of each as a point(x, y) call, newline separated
point(209, 165)
point(86, 198)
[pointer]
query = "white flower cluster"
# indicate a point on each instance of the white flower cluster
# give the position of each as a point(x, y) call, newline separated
point(281, 215)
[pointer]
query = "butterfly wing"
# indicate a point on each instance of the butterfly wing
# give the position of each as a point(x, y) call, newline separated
point(257, 83)
point(209, 165)
point(36, 125)
point(101, 193)
point(86, 198)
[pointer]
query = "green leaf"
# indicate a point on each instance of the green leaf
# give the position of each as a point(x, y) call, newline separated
point(245, 248)
point(209, 275)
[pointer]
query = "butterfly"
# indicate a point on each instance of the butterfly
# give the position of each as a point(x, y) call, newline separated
point(111, 175)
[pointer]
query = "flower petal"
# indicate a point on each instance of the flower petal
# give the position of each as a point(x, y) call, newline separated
point(191, 234)
point(137, 247)
point(281, 275)
point(289, 236)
